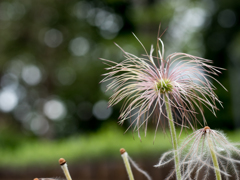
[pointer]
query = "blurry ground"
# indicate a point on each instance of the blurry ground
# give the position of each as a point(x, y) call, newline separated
point(91, 157)
point(103, 170)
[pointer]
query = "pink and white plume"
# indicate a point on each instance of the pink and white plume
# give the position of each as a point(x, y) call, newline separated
point(142, 82)
point(196, 159)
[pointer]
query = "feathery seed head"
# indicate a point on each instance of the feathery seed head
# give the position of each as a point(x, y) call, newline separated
point(195, 154)
point(142, 82)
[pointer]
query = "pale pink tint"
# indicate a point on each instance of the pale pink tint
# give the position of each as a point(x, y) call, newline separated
point(134, 82)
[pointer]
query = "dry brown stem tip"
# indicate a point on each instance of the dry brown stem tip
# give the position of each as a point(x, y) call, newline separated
point(122, 150)
point(62, 161)
point(206, 127)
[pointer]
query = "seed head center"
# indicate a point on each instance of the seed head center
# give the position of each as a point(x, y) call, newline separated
point(164, 86)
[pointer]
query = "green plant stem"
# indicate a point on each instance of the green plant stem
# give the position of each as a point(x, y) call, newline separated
point(214, 159)
point(173, 136)
point(127, 166)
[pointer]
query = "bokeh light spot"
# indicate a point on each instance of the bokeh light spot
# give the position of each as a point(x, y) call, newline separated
point(54, 109)
point(8, 100)
point(101, 110)
point(31, 75)
point(9, 79)
point(53, 38)
point(79, 46)
point(194, 17)
point(39, 125)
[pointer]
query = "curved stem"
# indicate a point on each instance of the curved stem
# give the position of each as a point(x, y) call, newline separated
point(173, 136)
point(214, 159)
point(127, 166)
point(66, 172)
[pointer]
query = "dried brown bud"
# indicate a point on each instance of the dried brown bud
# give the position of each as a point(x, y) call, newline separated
point(62, 161)
point(122, 150)
point(206, 127)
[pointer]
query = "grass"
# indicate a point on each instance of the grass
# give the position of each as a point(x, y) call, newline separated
point(104, 144)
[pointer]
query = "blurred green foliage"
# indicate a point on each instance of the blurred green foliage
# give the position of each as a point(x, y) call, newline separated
point(101, 145)
point(50, 68)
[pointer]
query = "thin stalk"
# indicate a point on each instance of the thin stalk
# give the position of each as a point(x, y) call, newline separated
point(173, 136)
point(214, 159)
point(124, 155)
point(64, 167)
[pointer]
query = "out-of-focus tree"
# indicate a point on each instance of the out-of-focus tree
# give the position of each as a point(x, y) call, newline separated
point(50, 67)
point(50, 50)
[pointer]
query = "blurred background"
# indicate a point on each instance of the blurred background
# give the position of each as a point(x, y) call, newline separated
point(51, 102)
